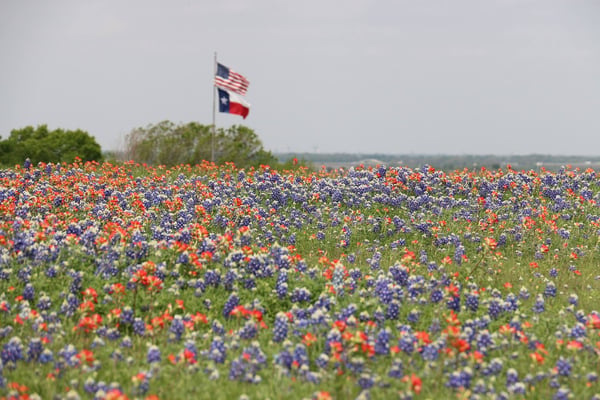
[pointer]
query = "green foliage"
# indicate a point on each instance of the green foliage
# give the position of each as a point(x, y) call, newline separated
point(42, 145)
point(169, 144)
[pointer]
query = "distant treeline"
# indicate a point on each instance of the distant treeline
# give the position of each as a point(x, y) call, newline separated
point(447, 162)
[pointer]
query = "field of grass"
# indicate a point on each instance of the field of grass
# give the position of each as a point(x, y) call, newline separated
point(211, 282)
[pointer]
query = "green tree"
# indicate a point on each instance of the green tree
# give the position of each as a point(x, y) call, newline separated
point(40, 144)
point(168, 144)
point(242, 145)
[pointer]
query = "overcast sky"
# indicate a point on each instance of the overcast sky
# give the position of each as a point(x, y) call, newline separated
point(359, 76)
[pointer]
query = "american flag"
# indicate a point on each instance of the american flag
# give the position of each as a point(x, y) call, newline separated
point(229, 79)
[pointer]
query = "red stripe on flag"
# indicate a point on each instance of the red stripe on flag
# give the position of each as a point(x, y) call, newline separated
point(236, 82)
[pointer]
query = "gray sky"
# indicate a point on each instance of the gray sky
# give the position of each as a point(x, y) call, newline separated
point(427, 77)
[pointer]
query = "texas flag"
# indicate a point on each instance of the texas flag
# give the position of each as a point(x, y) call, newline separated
point(231, 103)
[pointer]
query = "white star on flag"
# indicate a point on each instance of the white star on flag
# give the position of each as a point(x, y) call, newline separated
point(224, 100)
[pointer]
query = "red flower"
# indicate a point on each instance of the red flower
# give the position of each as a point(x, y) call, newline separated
point(322, 395)
point(453, 290)
point(199, 317)
point(240, 311)
point(415, 383)
point(340, 325)
point(490, 242)
point(594, 321)
point(574, 345)
point(189, 356)
point(87, 306)
point(89, 323)
point(90, 293)
point(460, 344)
point(423, 337)
point(308, 339)
point(86, 356)
point(537, 357)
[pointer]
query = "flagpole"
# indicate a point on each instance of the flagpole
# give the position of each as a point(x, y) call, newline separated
point(214, 126)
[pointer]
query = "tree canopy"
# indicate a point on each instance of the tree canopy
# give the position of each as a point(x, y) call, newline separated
point(41, 144)
point(166, 143)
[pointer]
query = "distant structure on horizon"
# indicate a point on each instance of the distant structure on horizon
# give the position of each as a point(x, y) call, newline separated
point(534, 162)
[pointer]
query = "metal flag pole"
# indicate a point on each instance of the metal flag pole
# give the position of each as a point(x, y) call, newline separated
point(214, 126)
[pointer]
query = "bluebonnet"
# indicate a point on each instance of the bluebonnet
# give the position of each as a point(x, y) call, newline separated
point(453, 303)
point(472, 301)
point(396, 370)
point(524, 293)
point(494, 367)
point(348, 311)
point(281, 286)
point(338, 279)
point(550, 290)
point(518, 388)
point(436, 296)
point(430, 352)
point(218, 351)
point(90, 385)
point(562, 393)
point(322, 360)
point(280, 328)
point(539, 305)
point(382, 341)
point(139, 327)
point(28, 291)
point(12, 351)
point(44, 303)
point(495, 308)
point(212, 278)
point(300, 295)
point(393, 310)
point(285, 359)
point(459, 252)
point(511, 303)
point(249, 330)
point(366, 381)
point(484, 340)
point(413, 316)
point(356, 365)
point(34, 349)
point(300, 355)
point(153, 354)
point(460, 379)
point(46, 356)
point(230, 278)
point(126, 342)
point(217, 327)
point(177, 327)
point(563, 367)
point(578, 331)
point(333, 335)
point(573, 299)
point(512, 376)
point(68, 354)
point(407, 342)
point(126, 315)
point(232, 302)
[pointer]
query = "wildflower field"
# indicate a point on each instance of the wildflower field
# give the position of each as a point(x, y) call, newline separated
point(127, 281)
